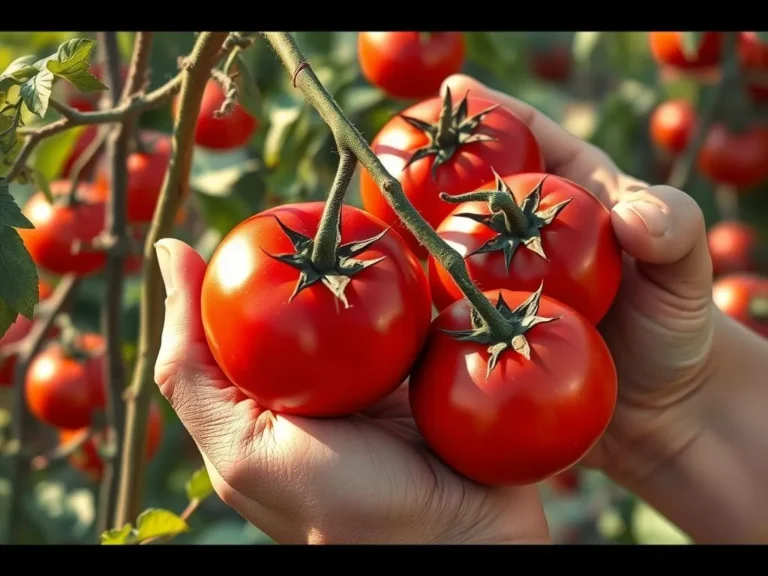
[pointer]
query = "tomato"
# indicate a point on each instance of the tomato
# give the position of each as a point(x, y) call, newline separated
point(744, 297)
point(410, 65)
point(667, 49)
point(87, 458)
point(65, 384)
point(672, 125)
point(231, 131)
point(535, 412)
point(733, 247)
point(58, 227)
point(753, 56)
point(146, 174)
point(315, 353)
point(576, 254)
point(512, 148)
point(738, 159)
point(552, 63)
point(567, 482)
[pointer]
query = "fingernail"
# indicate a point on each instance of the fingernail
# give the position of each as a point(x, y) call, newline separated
point(652, 215)
point(164, 262)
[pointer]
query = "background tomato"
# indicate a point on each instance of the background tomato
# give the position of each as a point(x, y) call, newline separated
point(583, 260)
point(528, 419)
point(672, 125)
point(64, 386)
point(313, 355)
point(514, 150)
point(738, 159)
point(552, 63)
point(667, 49)
point(410, 65)
point(567, 482)
point(733, 247)
point(744, 297)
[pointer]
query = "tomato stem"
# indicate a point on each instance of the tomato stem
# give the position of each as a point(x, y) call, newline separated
point(499, 203)
point(446, 136)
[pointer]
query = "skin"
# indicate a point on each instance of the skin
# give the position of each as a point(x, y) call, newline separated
point(672, 125)
point(734, 294)
point(680, 437)
point(733, 246)
point(735, 159)
point(667, 49)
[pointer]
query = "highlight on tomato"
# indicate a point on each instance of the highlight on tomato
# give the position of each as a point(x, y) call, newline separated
point(672, 125)
point(744, 297)
point(737, 159)
point(516, 409)
point(735, 247)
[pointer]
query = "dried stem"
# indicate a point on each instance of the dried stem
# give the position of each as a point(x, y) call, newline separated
point(195, 76)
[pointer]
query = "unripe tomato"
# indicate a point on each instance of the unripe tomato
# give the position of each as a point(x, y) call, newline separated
point(64, 386)
point(410, 65)
point(744, 297)
point(667, 49)
point(672, 125)
point(738, 159)
point(552, 63)
point(733, 247)
point(87, 458)
point(227, 133)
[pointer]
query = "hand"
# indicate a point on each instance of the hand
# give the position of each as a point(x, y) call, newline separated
point(363, 479)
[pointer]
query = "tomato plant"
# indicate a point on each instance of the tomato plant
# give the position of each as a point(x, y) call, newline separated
point(65, 381)
point(410, 65)
point(87, 101)
point(532, 228)
point(744, 297)
point(733, 247)
point(668, 49)
point(323, 344)
point(753, 57)
point(672, 125)
point(738, 159)
point(477, 137)
point(518, 410)
point(552, 63)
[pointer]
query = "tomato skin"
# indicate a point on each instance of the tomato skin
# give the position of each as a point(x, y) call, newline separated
point(407, 67)
point(733, 294)
point(552, 64)
point(531, 419)
point(87, 458)
point(314, 357)
point(63, 391)
point(667, 49)
point(584, 257)
point(58, 227)
point(515, 150)
point(735, 159)
point(733, 246)
point(227, 133)
point(672, 125)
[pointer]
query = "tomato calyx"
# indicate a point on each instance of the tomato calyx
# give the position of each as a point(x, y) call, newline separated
point(336, 277)
point(758, 308)
point(516, 225)
point(518, 322)
point(452, 130)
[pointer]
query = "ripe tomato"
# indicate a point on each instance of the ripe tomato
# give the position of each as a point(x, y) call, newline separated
point(735, 159)
point(552, 64)
point(667, 49)
point(529, 417)
point(231, 131)
point(315, 353)
point(87, 458)
point(464, 163)
point(672, 125)
point(733, 247)
point(576, 254)
point(410, 65)
point(744, 297)
point(753, 55)
point(65, 384)
point(58, 227)
point(567, 482)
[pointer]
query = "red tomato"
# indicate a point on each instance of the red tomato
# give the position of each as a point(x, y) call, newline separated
point(514, 149)
point(733, 247)
point(672, 125)
point(552, 64)
point(314, 355)
point(667, 49)
point(753, 55)
point(576, 255)
point(528, 419)
point(64, 386)
point(567, 482)
point(231, 131)
point(410, 65)
point(58, 227)
point(744, 297)
point(87, 458)
point(735, 159)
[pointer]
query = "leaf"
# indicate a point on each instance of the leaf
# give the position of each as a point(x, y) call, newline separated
point(650, 527)
point(18, 275)
point(199, 486)
point(44, 185)
point(10, 213)
point(119, 536)
point(282, 119)
point(36, 92)
point(248, 91)
point(51, 154)
point(691, 41)
point(7, 318)
point(10, 146)
point(72, 57)
point(156, 522)
point(584, 44)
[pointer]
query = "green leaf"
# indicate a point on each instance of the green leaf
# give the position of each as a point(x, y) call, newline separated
point(7, 318)
point(282, 119)
point(248, 91)
point(199, 486)
point(44, 185)
point(119, 536)
point(762, 36)
point(10, 213)
point(691, 41)
point(584, 44)
point(650, 527)
point(18, 275)
point(157, 522)
point(71, 62)
point(51, 154)
point(10, 144)
point(36, 92)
